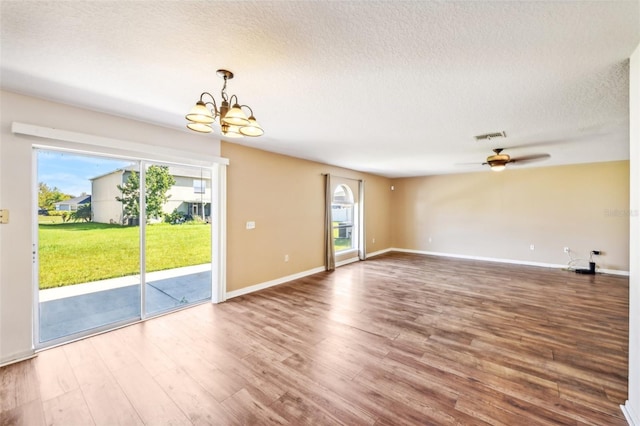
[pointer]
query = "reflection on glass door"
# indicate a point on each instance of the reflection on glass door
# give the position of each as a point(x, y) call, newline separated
point(178, 236)
point(88, 263)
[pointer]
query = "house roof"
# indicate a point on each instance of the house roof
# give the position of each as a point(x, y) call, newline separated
point(393, 88)
point(183, 171)
point(82, 199)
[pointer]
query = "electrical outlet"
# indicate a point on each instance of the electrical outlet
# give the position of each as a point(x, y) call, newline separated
point(286, 257)
point(532, 247)
point(566, 249)
point(373, 241)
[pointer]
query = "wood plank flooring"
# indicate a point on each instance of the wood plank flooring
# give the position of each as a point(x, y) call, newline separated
point(398, 339)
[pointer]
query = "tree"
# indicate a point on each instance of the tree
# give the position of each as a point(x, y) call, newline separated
point(158, 181)
point(130, 196)
point(48, 196)
point(82, 213)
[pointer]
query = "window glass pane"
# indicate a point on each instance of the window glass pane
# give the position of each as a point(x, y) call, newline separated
point(199, 186)
point(178, 237)
point(88, 263)
point(342, 218)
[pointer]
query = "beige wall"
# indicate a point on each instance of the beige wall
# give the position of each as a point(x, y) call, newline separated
point(499, 215)
point(285, 197)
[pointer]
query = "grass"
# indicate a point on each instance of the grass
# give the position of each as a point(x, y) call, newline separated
point(341, 243)
point(71, 253)
point(49, 219)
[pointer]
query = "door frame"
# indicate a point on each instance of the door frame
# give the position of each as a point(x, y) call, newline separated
point(64, 141)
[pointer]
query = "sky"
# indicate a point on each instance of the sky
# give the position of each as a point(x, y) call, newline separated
point(70, 173)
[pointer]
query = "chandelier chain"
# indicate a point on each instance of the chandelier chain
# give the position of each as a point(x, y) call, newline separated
point(224, 90)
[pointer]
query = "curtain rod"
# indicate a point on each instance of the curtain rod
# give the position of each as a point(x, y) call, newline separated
point(342, 177)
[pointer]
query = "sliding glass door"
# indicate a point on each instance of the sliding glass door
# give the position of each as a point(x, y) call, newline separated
point(107, 226)
point(178, 236)
point(88, 262)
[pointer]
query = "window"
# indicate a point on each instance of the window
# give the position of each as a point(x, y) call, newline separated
point(342, 215)
point(199, 186)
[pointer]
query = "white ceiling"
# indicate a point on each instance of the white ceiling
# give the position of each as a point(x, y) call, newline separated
point(392, 88)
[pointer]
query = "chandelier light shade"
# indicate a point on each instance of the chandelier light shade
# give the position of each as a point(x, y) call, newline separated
point(231, 131)
point(235, 117)
point(200, 127)
point(252, 129)
point(200, 114)
point(233, 121)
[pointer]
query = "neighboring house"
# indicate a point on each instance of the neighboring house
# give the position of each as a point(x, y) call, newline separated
point(191, 194)
point(72, 204)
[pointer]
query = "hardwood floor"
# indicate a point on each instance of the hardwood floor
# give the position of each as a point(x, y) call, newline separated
point(398, 339)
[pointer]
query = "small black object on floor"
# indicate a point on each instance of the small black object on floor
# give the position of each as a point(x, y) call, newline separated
point(590, 271)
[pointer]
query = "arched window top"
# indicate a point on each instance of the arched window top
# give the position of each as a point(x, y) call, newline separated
point(342, 195)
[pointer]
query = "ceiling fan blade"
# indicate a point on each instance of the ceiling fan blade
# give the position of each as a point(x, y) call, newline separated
point(475, 163)
point(530, 158)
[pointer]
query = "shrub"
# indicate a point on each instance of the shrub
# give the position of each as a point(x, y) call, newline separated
point(176, 217)
point(82, 214)
point(196, 220)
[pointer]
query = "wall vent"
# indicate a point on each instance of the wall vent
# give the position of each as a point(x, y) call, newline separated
point(490, 136)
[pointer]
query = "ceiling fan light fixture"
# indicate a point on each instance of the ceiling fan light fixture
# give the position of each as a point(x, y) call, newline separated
point(498, 161)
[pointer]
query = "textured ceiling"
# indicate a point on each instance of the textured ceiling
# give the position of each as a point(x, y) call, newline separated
point(393, 88)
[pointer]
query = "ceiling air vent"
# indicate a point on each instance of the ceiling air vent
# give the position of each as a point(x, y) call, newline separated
point(490, 136)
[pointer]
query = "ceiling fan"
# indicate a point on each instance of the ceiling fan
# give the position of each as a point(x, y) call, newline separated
point(499, 161)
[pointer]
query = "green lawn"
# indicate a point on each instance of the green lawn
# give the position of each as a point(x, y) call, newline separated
point(72, 253)
point(49, 219)
point(341, 243)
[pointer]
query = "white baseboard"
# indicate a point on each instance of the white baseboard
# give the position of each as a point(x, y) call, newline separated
point(281, 280)
point(499, 260)
point(614, 272)
point(347, 261)
point(23, 356)
point(630, 415)
point(379, 252)
point(267, 284)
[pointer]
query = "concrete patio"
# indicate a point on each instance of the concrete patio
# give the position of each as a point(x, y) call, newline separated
point(81, 307)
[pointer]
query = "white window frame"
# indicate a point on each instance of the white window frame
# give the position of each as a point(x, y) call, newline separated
point(354, 216)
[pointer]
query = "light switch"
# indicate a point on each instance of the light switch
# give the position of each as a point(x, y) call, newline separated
point(4, 216)
point(251, 225)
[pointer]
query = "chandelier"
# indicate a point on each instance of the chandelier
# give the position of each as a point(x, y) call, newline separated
point(233, 121)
